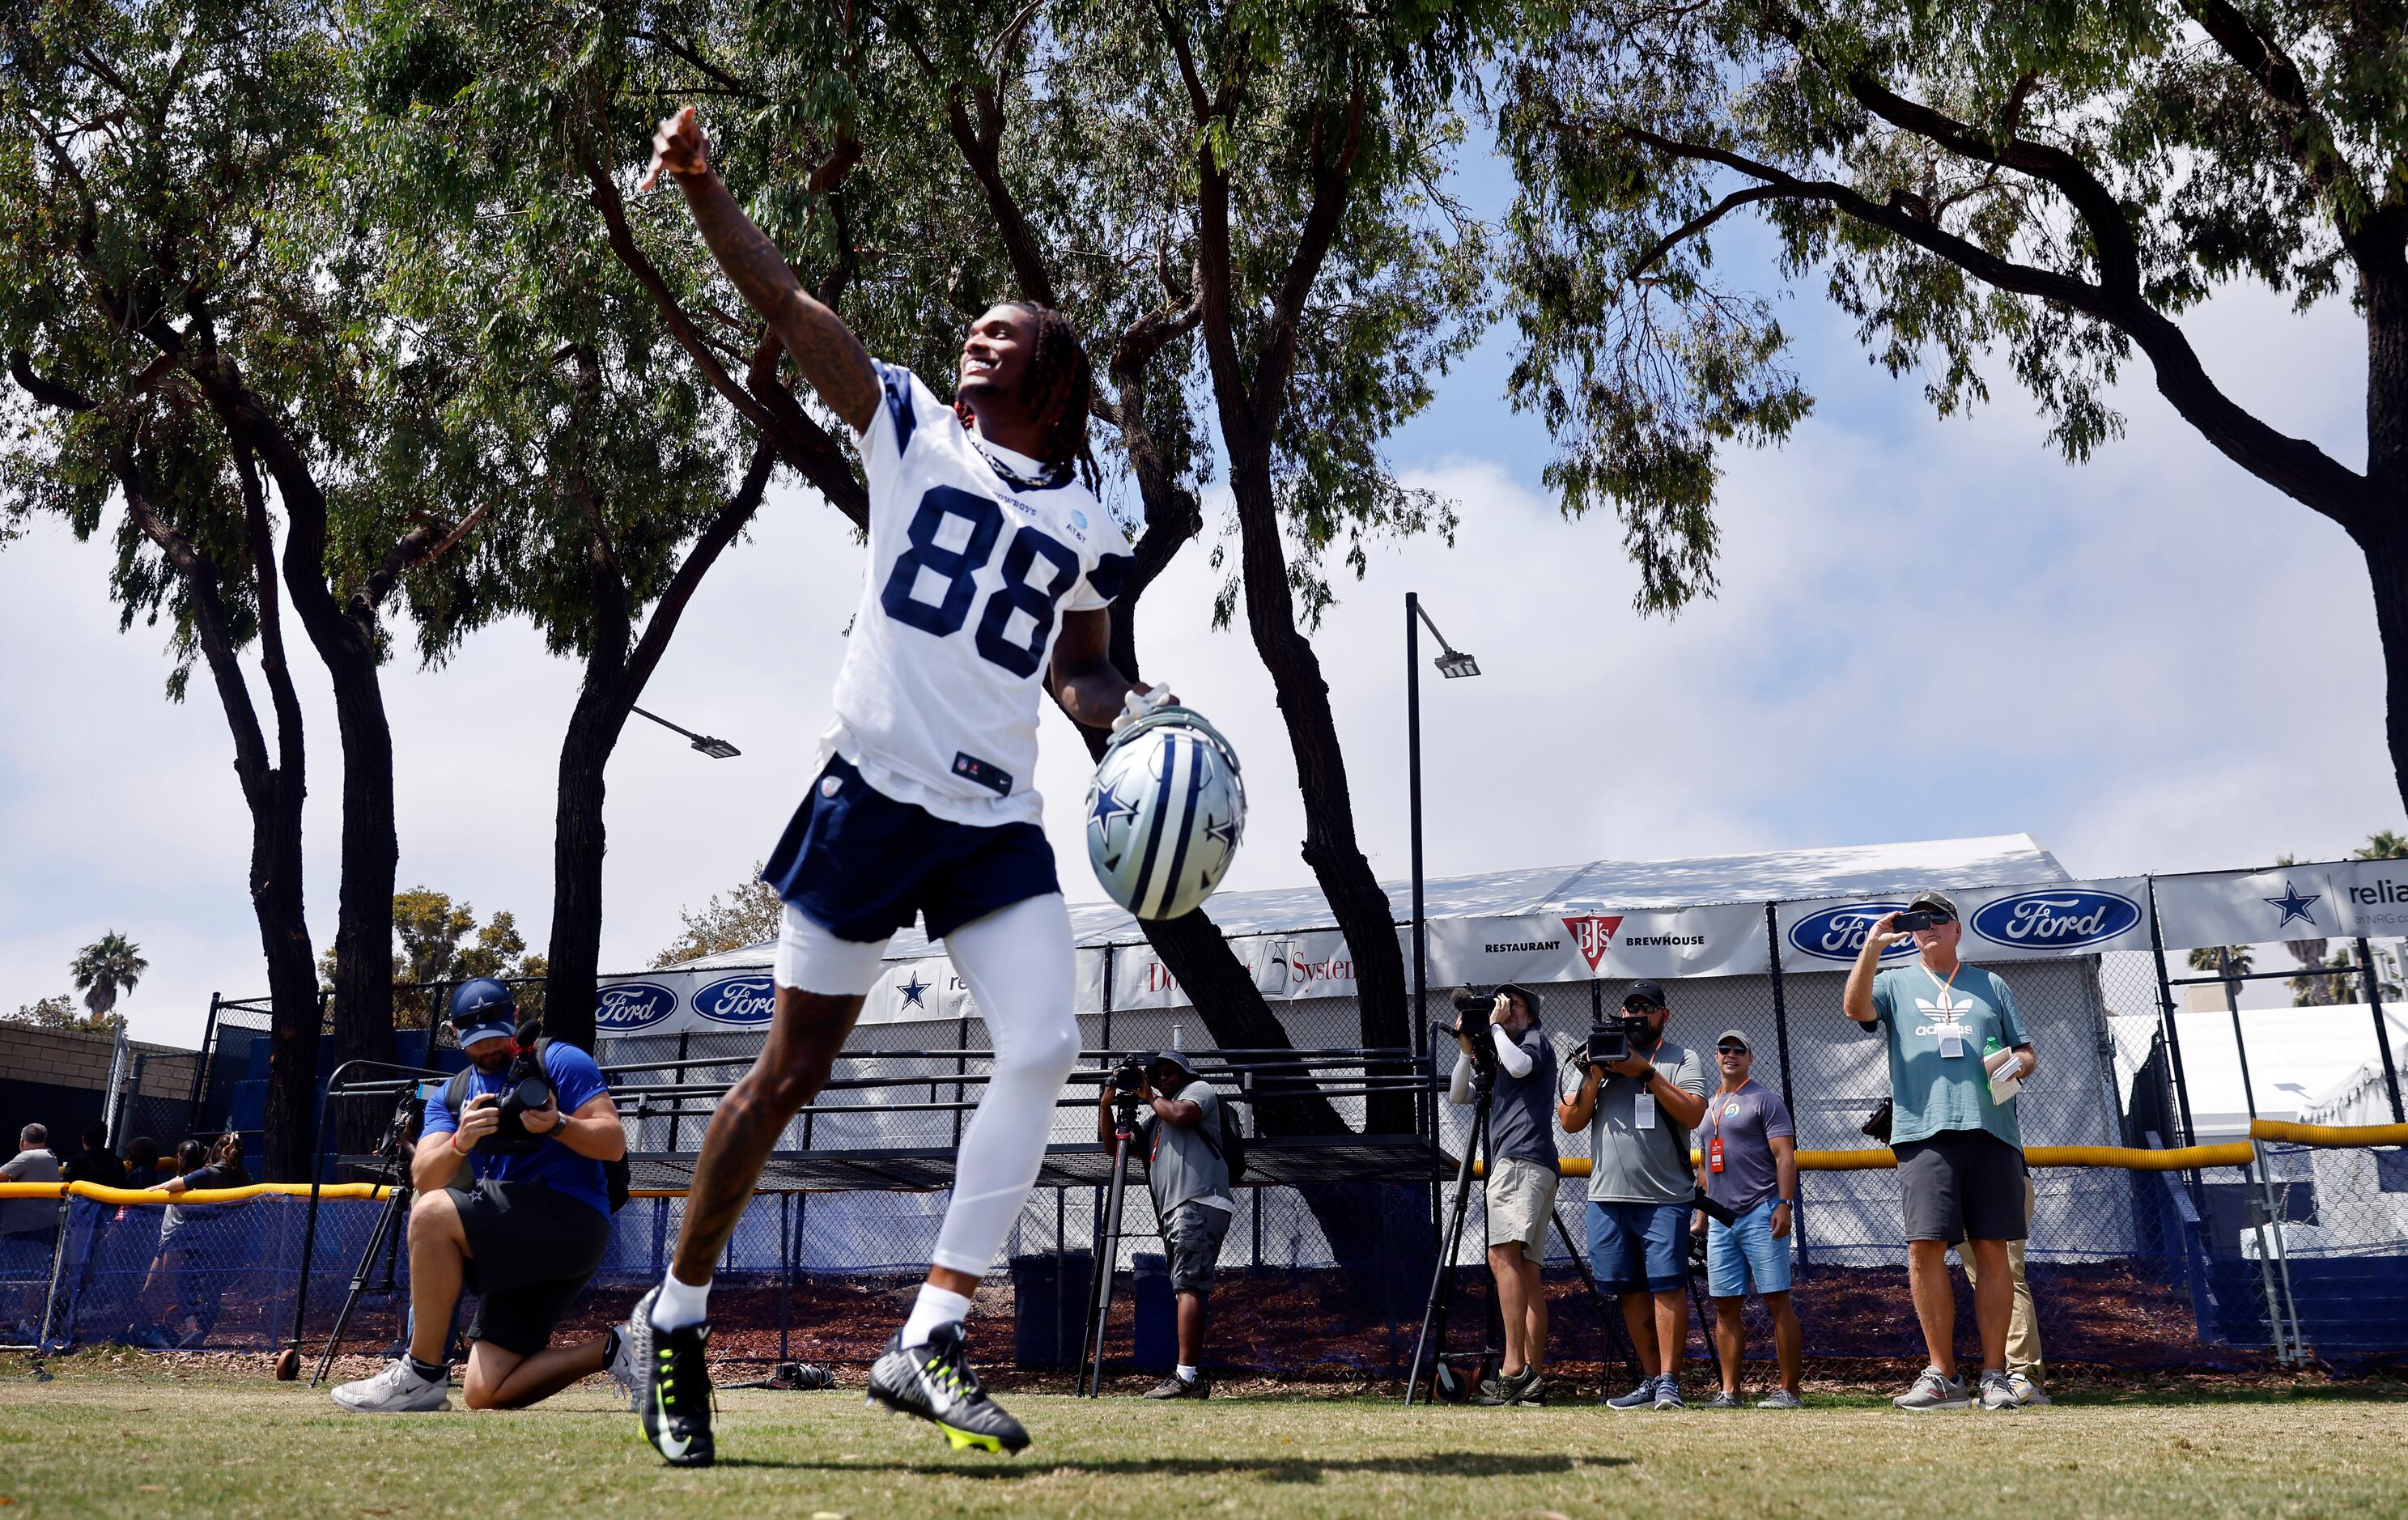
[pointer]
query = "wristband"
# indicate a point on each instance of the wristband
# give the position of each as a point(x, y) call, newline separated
point(455, 1144)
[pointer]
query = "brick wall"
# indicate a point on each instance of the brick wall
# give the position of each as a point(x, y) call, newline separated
point(68, 1058)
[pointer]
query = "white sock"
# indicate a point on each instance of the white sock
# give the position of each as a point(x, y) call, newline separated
point(680, 1304)
point(1187, 1373)
point(934, 1307)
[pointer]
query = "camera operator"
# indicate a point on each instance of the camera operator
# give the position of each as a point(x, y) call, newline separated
point(1639, 1112)
point(1522, 1179)
point(1180, 1132)
point(1954, 1036)
point(525, 1229)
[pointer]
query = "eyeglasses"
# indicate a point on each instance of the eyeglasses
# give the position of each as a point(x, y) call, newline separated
point(1640, 1005)
point(1733, 1050)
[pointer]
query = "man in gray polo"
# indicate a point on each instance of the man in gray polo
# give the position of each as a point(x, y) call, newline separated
point(1521, 1185)
point(1639, 1113)
point(1179, 1134)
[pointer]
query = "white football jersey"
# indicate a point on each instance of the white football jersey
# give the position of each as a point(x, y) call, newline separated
point(969, 573)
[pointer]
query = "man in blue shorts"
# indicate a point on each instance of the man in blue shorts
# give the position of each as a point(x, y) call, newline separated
point(1639, 1113)
point(991, 566)
point(1747, 1161)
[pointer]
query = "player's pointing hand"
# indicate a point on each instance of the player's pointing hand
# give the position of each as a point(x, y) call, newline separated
point(678, 148)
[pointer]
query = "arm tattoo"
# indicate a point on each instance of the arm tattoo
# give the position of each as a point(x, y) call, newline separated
point(831, 358)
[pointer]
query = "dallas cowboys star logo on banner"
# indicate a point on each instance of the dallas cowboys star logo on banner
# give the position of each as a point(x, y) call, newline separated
point(2296, 904)
point(914, 992)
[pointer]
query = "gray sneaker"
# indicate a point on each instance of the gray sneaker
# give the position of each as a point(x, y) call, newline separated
point(1724, 1399)
point(1997, 1393)
point(1668, 1392)
point(1782, 1398)
point(1643, 1397)
point(1934, 1389)
point(396, 1390)
point(2028, 1394)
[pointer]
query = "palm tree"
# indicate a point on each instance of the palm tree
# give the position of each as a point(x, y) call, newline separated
point(2230, 961)
point(103, 968)
point(2383, 845)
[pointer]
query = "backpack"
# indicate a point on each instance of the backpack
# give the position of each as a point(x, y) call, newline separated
point(617, 1179)
point(1231, 1147)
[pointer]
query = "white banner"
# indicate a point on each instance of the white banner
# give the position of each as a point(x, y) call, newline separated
point(2337, 899)
point(1578, 946)
point(1285, 966)
point(922, 989)
point(2046, 922)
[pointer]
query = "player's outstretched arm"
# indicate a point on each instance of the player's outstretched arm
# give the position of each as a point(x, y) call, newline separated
point(1089, 686)
point(831, 358)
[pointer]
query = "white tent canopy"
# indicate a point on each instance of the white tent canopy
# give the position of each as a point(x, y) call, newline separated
point(1696, 917)
point(2303, 1062)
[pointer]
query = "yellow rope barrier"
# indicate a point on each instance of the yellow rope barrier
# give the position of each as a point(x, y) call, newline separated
point(195, 1195)
point(2349, 1135)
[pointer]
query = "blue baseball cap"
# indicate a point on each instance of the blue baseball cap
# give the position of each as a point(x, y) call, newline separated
point(482, 1009)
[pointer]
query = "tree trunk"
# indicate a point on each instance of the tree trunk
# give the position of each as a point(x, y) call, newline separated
point(615, 678)
point(1357, 900)
point(577, 843)
point(371, 855)
point(2386, 548)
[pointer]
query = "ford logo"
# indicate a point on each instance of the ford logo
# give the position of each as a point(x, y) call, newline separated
point(736, 999)
point(1838, 934)
point(2065, 919)
point(633, 1005)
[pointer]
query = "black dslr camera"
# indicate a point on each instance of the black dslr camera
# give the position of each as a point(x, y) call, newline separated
point(1472, 1011)
point(1129, 1076)
point(530, 1088)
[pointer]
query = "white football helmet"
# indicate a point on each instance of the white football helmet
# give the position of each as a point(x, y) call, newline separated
point(1165, 813)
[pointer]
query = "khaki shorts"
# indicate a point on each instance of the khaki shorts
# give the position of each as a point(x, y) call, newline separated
point(1521, 1204)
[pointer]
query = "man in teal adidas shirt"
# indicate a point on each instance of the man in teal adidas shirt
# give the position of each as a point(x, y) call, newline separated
point(1955, 1047)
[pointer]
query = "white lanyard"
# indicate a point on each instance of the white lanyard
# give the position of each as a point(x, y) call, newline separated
point(1952, 1033)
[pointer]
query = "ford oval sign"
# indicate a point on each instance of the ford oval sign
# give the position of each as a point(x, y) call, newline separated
point(2069, 918)
point(1839, 934)
point(632, 1005)
point(736, 999)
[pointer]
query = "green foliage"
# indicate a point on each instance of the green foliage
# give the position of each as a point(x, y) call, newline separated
point(747, 914)
point(2382, 844)
point(60, 1013)
point(109, 965)
point(2042, 183)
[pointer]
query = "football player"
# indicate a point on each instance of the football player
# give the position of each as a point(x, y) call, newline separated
point(990, 562)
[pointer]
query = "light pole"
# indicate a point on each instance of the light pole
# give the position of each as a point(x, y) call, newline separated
point(717, 749)
point(1453, 664)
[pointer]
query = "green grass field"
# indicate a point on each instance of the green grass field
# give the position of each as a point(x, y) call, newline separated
point(150, 1439)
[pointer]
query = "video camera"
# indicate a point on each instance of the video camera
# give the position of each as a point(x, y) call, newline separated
point(530, 1088)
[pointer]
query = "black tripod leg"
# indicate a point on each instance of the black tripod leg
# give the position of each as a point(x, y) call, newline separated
point(1434, 1315)
point(1108, 1249)
point(388, 1228)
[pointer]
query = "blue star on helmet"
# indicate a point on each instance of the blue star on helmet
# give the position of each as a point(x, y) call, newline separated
point(1108, 806)
point(1223, 831)
point(914, 992)
point(2296, 904)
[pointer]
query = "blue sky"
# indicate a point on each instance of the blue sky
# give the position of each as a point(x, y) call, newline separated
point(1925, 630)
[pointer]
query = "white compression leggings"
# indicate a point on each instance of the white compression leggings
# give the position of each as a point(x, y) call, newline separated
point(1016, 961)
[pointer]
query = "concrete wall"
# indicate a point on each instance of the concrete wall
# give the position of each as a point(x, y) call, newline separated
point(71, 1058)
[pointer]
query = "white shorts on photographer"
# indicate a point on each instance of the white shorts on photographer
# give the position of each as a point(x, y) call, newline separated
point(1521, 1196)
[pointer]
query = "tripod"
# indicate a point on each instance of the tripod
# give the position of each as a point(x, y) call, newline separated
point(392, 1226)
point(1484, 1089)
point(1108, 1245)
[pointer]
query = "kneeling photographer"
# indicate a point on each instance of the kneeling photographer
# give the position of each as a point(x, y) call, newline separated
point(1181, 1137)
point(1522, 1176)
point(1639, 1112)
point(531, 1124)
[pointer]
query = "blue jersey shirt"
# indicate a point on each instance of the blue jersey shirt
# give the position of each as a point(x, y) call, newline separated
point(576, 1079)
point(1915, 1011)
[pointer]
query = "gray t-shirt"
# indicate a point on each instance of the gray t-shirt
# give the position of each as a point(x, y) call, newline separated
point(29, 1216)
point(1745, 1122)
point(1631, 1164)
point(1181, 1162)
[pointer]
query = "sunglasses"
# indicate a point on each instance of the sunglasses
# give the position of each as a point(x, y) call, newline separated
point(1733, 1050)
point(1640, 1005)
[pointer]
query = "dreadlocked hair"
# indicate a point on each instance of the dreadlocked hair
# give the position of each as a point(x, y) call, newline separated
point(1059, 380)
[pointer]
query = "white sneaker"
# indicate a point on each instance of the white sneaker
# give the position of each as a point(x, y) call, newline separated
point(2028, 1394)
point(396, 1390)
point(622, 1364)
